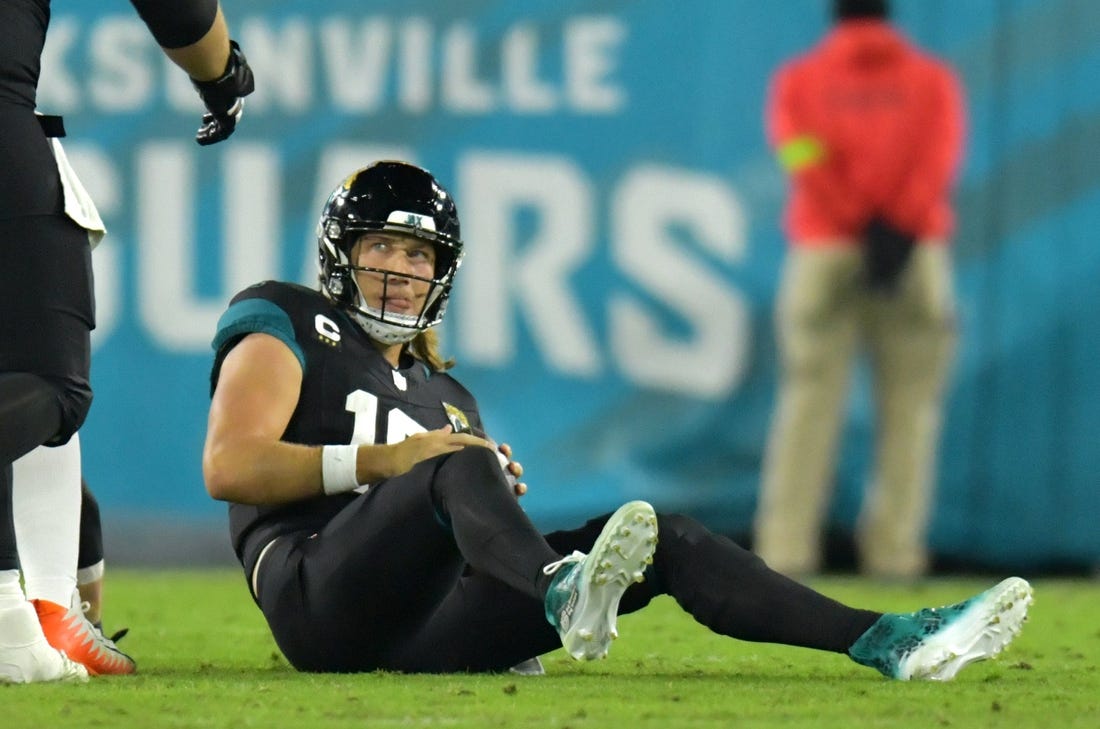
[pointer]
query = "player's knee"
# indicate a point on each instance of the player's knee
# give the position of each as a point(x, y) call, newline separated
point(474, 463)
point(468, 476)
point(74, 395)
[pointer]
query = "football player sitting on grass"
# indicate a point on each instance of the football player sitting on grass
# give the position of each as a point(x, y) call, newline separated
point(377, 522)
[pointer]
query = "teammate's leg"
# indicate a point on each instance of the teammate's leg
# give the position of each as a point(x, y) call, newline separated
point(25, 656)
point(46, 294)
point(46, 502)
point(90, 564)
point(47, 300)
point(29, 413)
point(44, 493)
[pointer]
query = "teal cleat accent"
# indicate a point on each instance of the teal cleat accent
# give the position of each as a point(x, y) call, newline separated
point(530, 667)
point(936, 643)
point(583, 599)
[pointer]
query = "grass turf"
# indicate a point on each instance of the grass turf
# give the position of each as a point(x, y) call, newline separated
point(206, 660)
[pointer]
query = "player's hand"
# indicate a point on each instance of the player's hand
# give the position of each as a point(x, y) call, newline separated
point(422, 446)
point(513, 470)
point(224, 98)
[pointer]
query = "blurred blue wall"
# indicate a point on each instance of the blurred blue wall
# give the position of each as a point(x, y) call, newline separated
point(621, 213)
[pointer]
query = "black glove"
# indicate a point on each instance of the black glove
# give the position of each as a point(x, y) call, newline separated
point(223, 98)
point(886, 252)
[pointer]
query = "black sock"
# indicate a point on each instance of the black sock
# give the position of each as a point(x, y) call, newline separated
point(91, 529)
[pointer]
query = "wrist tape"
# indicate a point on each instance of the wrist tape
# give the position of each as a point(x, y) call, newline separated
point(338, 468)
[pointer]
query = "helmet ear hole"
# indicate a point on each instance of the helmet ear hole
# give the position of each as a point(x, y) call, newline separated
point(335, 274)
point(340, 285)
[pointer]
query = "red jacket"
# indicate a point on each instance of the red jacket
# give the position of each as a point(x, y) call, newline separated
point(866, 123)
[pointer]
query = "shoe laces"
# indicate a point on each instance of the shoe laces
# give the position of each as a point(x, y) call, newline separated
point(553, 567)
point(97, 628)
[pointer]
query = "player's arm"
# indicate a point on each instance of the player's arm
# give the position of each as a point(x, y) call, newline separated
point(195, 36)
point(205, 58)
point(245, 459)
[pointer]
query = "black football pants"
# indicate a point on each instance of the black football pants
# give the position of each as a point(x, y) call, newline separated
point(47, 312)
point(386, 584)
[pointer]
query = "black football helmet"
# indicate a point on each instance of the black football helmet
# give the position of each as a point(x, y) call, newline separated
point(396, 197)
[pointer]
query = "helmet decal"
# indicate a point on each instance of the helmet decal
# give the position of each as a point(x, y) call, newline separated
point(413, 220)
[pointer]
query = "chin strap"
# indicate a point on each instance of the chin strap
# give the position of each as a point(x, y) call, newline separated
point(385, 332)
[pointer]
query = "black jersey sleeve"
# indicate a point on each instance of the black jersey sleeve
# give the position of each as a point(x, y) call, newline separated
point(177, 24)
point(259, 309)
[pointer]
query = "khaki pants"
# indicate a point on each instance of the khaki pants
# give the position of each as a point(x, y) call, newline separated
point(825, 318)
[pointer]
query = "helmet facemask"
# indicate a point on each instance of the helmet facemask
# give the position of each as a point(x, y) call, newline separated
point(395, 198)
point(397, 327)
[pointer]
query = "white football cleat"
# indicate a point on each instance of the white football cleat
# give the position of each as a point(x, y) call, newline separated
point(934, 644)
point(583, 599)
point(26, 657)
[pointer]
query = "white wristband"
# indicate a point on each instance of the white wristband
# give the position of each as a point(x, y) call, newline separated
point(338, 466)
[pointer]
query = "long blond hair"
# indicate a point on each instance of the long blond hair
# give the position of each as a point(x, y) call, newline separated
point(425, 347)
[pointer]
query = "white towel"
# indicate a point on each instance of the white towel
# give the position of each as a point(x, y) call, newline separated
point(78, 203)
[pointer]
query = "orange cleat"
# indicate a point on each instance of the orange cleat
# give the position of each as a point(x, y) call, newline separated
point(68, 630)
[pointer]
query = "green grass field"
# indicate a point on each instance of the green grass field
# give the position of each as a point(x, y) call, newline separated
point(205, 660)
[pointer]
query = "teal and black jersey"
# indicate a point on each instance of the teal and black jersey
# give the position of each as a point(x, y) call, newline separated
point(349, 394)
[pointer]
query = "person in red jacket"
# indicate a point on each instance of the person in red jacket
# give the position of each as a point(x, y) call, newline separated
point(870, 130)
